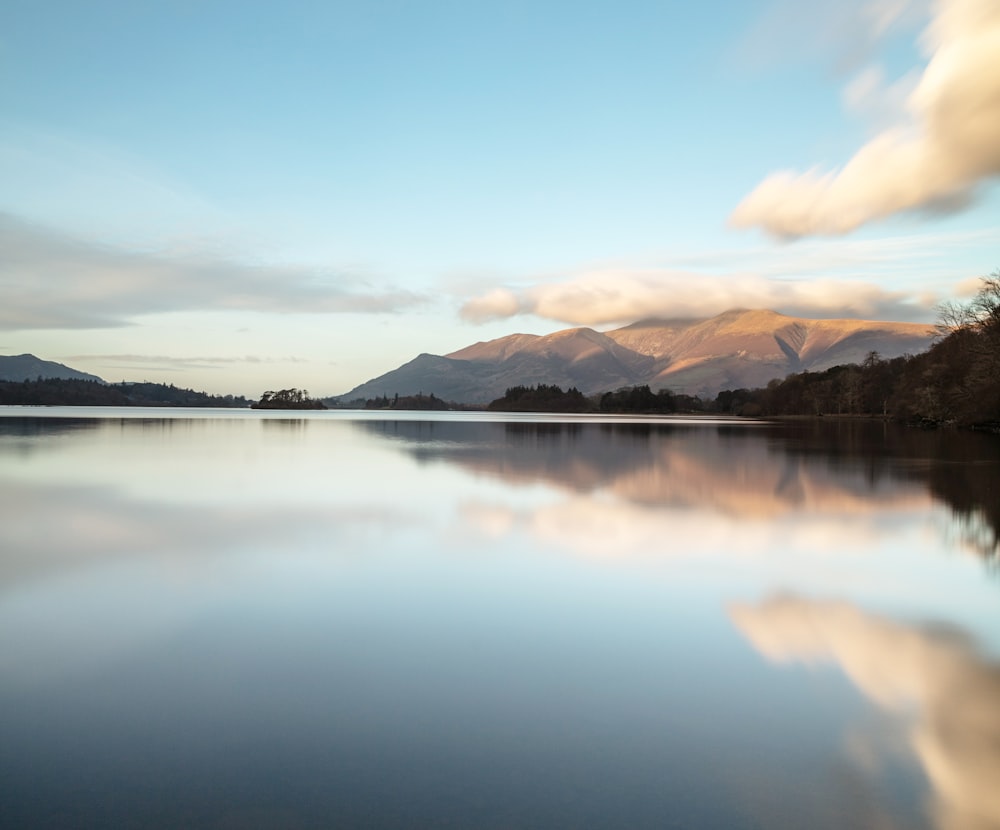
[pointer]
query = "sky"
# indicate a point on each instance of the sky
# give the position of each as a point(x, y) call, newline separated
point(242, 196)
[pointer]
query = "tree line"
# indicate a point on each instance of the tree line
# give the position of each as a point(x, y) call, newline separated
point(73, 392)
point(420, 402)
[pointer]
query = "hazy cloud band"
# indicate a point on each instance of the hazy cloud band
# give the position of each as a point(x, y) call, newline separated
point(54, 280)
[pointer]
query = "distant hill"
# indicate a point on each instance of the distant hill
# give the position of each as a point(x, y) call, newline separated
point(28, 367)
point(736, 349)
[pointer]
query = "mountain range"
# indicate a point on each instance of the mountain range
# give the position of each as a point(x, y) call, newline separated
point(737, 349)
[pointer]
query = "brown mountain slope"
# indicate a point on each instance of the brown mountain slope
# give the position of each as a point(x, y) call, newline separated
point(574, 346)
point(495, 350)
point(749, 348)
point(733, 350)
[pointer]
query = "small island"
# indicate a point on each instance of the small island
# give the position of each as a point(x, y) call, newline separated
point(288, 399)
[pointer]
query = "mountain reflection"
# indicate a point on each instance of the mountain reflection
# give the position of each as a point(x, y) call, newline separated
point(932, 677)
point(727, 468)
point(743, 470)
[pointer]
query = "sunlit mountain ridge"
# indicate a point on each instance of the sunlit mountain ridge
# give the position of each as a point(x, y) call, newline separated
point(736, 349)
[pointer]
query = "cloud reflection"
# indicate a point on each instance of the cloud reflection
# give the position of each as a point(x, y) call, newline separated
point(49, 529)
point(89, 574)
point(932, 675)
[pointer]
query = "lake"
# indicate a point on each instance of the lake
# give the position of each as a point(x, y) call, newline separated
point(236, 619)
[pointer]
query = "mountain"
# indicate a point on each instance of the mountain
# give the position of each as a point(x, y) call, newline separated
point(581, 357)
point(28, 367)
point(746, 349)
point(736, 349)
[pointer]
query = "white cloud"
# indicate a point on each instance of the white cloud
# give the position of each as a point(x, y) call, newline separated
point(815, 278)
point(611, 296)
point(494, 305)
point(55, 280)
point(949, 143)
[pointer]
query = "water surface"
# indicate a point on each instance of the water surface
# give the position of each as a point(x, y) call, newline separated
point(238, 619)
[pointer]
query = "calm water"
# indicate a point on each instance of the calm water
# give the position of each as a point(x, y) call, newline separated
point(230, 619)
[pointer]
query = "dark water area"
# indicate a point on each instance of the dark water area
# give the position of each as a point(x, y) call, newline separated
point(231, 619)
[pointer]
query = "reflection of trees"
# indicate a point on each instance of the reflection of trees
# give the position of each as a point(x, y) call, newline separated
point(32, 427)
point(284, 424)
point(933, 677)
point(28, 429)
point(577, 456)
point(962, 469)
point(973, 492)
point(749, 469)
point(525, 431)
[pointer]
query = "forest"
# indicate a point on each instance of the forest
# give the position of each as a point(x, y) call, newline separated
point(66, 392)
point(420, 402)
point(541, 398)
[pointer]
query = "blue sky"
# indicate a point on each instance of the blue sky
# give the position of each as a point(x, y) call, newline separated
point(244, 196)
